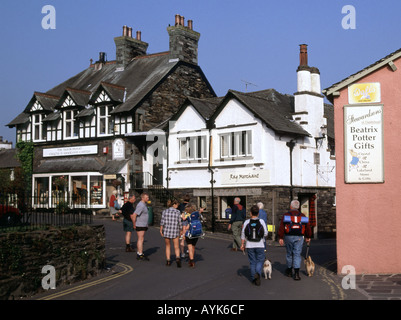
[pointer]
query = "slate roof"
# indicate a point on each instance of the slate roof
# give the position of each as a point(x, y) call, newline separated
point(8, 159)
point(127, 88)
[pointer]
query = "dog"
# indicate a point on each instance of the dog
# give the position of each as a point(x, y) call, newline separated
point(310, 266)
point(267, 269)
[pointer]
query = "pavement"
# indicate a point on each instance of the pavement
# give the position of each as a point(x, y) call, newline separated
point(219, 274)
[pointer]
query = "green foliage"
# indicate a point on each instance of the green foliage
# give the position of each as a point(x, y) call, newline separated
point(25, 156)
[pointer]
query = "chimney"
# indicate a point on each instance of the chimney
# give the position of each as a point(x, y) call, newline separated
point(303, 55)
point(183, 41)
point(128, 48)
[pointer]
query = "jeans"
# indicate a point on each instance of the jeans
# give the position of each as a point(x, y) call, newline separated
point(293, 245)
point(256, 258)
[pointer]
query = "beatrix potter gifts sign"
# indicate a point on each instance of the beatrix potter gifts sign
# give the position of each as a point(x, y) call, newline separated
point(363, 145)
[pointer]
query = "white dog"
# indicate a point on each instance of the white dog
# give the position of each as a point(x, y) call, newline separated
point(267, 269)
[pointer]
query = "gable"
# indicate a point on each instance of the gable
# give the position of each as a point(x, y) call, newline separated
point(36, 107)
point(234, 113)
point(189, 120)
point(68, 102)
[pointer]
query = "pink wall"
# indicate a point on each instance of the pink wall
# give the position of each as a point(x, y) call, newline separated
point(369, 215)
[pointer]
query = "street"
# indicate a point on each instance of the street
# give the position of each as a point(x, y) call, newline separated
point(219, 274)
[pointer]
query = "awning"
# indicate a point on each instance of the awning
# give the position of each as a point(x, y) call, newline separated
point(113, 167)
point(69, 165)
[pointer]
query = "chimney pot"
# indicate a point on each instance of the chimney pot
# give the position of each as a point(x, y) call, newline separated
point(303, 55)
point(129, 32)
point(138, 35)
point(124, 31)
point(182, 21)
point(190, 22)
point(177, 19)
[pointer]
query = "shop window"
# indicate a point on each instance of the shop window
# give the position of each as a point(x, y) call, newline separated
point(96, 190)
point(59, 190)
point(79, 191)
point(41, 192)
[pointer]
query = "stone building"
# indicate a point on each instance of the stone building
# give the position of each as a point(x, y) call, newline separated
point(89, 132)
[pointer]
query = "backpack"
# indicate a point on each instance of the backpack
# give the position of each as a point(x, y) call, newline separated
point(116, 205)
point(228, 212)
point(195, 226)
point(254, 231)
point(295, 224)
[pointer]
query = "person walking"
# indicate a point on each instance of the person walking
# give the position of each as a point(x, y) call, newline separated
point(140, 221)
point(181, 208)
point(127, 211)
point(114, 205)
point(262, 215)
point(191, 242)
point(294, 226)
point(238, 216)
point(252, 238)
point(171, 229)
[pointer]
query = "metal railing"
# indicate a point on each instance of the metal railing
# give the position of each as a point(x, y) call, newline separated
point(17, 213)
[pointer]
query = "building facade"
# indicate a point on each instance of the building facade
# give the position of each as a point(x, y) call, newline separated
point(366, 108)
point(259, 146)
point(89, 132)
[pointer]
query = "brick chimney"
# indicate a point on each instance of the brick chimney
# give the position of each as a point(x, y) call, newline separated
point(128, 47)
point(183, 41)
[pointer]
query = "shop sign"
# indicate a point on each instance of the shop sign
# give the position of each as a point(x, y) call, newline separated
point(245, 177)
point(363, 144)
point(70, 151)
point(118, 149)
point(364, 93)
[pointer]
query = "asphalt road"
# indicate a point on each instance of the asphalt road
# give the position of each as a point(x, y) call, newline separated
point(219, 274)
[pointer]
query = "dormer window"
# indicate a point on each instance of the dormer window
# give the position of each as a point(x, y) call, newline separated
point(70, 124)
point(37, 125)
point(104, 120)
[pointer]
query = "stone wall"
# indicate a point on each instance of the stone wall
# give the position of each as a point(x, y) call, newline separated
point(77, 253)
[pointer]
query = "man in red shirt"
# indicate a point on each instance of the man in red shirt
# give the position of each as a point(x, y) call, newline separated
point(293, 227)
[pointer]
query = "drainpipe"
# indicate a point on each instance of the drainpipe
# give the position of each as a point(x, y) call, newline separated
point(291, 145)
point(212, 181)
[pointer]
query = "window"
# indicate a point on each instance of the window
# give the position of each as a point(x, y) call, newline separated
point(96, 190)
point(193, 148)
point(24, 132)
point(38, 127)
point(105, 123)
point(236, 144)
point(79, 191)
point(70, 124)
point(41, 192)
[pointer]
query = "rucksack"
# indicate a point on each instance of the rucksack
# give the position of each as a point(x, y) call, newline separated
point(295, 224)
point(195, 226)
point(254, 230)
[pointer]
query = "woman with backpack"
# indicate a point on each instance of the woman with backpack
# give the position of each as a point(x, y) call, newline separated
point(254, 233)
point(191, 241)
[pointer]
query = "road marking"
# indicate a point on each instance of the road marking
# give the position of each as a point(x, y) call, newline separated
point(335, 288)
point(127, 269)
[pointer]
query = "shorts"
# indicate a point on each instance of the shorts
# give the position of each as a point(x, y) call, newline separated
point(128, 226)
point(191, 241)
point(141, 228)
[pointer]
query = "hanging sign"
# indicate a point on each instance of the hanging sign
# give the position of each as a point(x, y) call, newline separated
point(364, 93)
point(363, 145)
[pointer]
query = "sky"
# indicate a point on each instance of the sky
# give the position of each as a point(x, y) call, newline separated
point(244, 45)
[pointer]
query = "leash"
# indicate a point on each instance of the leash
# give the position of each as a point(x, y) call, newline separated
point(307, 250)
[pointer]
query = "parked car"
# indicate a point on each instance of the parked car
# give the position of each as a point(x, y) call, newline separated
point(9, 216)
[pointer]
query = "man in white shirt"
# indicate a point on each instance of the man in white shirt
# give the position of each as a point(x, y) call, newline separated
point(254, 233)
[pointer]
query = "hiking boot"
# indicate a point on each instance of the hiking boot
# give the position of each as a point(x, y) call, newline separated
point(191, 263)
point(257, 279)
point(168, 263)
point(128, 248)
point(288, 272)
point(296, 275)
point(178, 261)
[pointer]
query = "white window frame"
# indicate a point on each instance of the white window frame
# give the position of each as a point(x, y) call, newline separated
point(108, 127)
point(232, 144)
point(74, 130)
point(189, 148)
point(38, 124)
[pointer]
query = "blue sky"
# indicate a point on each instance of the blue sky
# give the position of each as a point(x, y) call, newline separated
point(255, 41)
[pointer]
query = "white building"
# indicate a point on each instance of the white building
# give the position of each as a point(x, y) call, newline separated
point(260, 146)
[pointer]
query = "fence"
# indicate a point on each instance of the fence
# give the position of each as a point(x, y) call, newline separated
point(19, 212)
